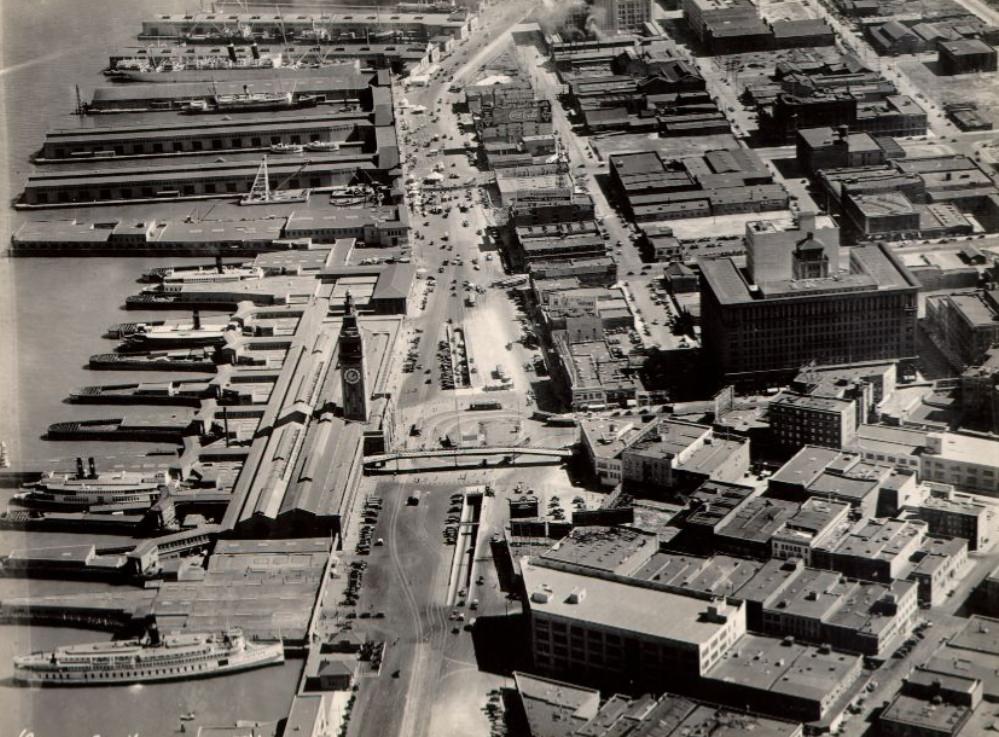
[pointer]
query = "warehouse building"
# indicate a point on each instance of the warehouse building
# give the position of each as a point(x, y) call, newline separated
point(966, 56)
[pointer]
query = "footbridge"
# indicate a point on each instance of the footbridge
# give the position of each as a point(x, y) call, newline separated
point(512, 452)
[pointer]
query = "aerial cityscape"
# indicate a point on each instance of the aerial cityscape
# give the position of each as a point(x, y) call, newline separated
point(572, 368)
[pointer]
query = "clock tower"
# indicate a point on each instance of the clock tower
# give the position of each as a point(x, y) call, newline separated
point(353, 371)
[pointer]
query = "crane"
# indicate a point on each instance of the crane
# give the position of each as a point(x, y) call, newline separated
point(261, 192)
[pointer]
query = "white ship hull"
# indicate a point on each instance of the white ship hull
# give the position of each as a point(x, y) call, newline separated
point(256, 656)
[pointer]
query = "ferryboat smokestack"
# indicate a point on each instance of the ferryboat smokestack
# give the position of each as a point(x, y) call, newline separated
point(218, 264)
point(93, 467)
point(196, 316)
point(231, 48)
point(254, 50)
point(80, 474)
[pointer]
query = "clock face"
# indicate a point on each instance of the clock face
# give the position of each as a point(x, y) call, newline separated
point(352, 375)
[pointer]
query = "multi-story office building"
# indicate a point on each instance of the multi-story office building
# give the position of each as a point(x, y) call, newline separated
point(622, 15)
point(824, 607)
point(966, 323)
point(949, 514)
point(968, 462)
point(799, 420)
point(596, 628)
point(873, 550)
point(757, 329)
point(783, 677)
point(814, 522)
point(826, 148)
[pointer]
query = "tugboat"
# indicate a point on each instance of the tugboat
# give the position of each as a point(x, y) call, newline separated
point(322, 146)
point(287, 148)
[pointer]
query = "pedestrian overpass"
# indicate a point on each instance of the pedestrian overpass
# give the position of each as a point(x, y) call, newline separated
point(510, 452)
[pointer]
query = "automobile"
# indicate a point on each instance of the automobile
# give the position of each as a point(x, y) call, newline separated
point(379, 542)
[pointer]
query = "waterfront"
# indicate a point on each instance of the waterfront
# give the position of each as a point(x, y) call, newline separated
point(52, 313)
point(148, 710)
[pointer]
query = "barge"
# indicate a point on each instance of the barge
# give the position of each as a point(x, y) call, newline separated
point(78, 522)
point(152, 429)
point(200, 360)
point(176, 393)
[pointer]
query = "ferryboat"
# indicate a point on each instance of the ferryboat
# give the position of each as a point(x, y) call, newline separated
point(122, 330)
point(90, 489)
point(236, 272)
point(181, 273)
point(174, 657)
point(164, 337)
point(199, 360)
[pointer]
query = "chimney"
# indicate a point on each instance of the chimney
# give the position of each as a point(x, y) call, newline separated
point(806, 222)
point(93, 468)
point(196, 317)
point(225, 424)
point(80, 473)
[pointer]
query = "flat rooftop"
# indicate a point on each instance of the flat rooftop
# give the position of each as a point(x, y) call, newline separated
point(924, 716)
point(555, 708)
point(618, 606)
point(758, 519)
point(608, 436)
point(783, 667)
point(619, 550)
point(718, 575)
point(968, 449)
point(668, 439)
point(806, 465)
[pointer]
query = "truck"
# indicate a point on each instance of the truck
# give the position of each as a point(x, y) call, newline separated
point(493, 404)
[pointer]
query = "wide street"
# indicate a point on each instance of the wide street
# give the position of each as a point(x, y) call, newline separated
point(430, 673)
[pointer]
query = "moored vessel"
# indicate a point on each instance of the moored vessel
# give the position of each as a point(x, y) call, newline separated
point(173, 657)
point(194, 360)
point(88, 488)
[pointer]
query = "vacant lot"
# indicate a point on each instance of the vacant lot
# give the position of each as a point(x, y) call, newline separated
point(980, 88)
